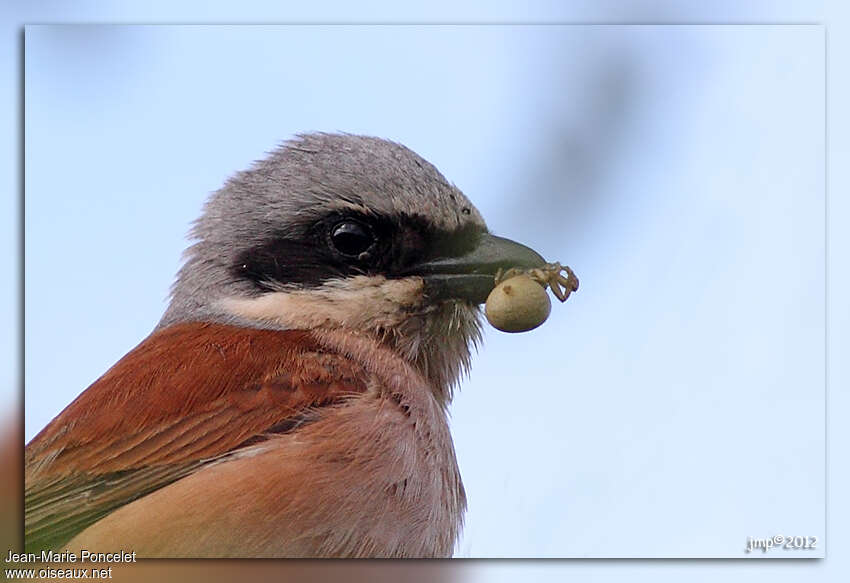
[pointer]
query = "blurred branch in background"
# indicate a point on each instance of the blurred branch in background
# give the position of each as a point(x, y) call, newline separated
point(583, 132)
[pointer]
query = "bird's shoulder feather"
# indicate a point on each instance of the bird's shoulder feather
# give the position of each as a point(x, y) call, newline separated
point(184, 397)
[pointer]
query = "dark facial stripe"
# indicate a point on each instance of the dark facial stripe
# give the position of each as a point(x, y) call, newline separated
point(401, 243)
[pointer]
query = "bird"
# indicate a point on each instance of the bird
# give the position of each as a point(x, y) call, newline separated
point(293, 399)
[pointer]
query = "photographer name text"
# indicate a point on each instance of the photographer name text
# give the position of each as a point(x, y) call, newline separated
point(84, 556)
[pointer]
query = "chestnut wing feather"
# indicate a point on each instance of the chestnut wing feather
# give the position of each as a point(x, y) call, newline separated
point(185, 397)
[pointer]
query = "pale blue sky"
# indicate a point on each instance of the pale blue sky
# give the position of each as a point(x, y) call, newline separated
point(664, 180)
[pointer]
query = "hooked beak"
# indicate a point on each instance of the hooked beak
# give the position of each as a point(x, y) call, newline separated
point(471, 276)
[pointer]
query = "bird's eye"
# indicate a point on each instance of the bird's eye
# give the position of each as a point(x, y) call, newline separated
point(351, 238)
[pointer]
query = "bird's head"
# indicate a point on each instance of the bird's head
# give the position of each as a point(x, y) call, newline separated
point(340, 231)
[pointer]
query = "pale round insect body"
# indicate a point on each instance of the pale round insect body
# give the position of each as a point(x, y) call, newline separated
point(517, 304)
